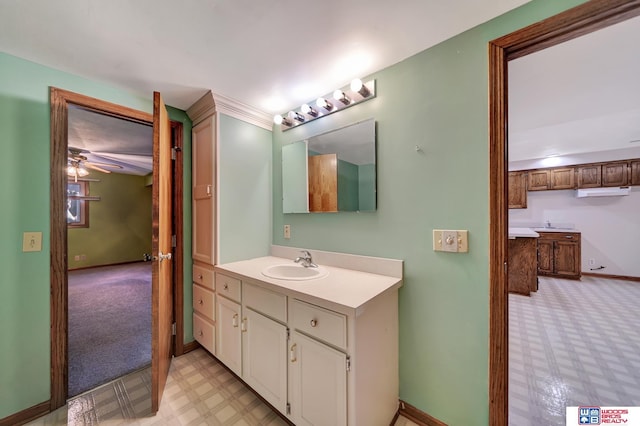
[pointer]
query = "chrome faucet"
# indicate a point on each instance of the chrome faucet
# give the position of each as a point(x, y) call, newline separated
point(306, 260)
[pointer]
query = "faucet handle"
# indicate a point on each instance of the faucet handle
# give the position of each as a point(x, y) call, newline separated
point(306, 253)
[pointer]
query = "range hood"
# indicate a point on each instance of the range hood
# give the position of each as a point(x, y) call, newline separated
point(602, 192)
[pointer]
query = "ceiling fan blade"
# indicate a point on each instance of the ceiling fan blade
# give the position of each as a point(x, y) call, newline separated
point(116, 166)
point(94, 167)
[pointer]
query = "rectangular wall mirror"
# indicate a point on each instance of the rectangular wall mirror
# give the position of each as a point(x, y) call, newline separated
point(331, 172)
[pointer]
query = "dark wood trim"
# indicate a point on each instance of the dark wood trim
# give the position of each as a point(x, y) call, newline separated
point(395, 418)
point(611, 277)
point(25, 416)
point(191, 346)
point(580, 20)
point(415, 415)
point(178, 231)
point(59, 101)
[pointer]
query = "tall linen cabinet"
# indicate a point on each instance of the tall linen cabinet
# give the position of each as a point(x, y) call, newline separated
point(239, 128)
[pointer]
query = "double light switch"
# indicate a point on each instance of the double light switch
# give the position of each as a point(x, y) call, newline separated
point(451, 241)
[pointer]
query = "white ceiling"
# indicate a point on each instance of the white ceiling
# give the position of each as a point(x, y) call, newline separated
point(270, 54)
point(582, 96)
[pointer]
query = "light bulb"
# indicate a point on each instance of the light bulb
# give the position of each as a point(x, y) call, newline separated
point(306, 109)
point(278, 119)
point(295, 116)
point(358, 86)
point(339, 95)
point(323, 103)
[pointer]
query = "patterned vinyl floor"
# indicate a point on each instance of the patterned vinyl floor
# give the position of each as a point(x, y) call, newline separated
point(199, 391)
point(573, 343)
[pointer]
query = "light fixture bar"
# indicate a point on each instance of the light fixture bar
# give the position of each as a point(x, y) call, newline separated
point(346, 97)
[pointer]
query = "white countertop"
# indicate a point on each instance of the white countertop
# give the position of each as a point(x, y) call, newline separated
point(345, 287)
point(522, 233)
point(556, 230)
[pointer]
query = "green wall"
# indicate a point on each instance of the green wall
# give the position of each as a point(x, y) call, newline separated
point(244, 171)
point(367, 187)
point(437, 99)
point(294, 173)
point(119, 224)
point(347, 186)
point(24, 171)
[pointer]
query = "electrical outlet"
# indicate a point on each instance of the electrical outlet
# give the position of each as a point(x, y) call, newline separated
point(287, 232)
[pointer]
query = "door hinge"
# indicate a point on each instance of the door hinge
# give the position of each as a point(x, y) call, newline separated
point(288, 408)
point(348, 363)
point(173, 329)
point(174, 151)
point(288, 334)
point(173, 241)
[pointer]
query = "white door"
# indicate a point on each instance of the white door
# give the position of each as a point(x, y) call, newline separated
point(264, 364)
point(228, 338)
point(318, 378)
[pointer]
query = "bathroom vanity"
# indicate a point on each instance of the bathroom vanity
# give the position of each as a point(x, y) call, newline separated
point(321, 350)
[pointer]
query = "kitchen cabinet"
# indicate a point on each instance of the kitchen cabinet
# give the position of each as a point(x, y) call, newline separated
point(228, 334)
point(522, 271)
point(556, 178)
point(590, 176)
point(538, 180)
point(635, 172)
point(615, 174)
point(517, 191)
point(559, 254)
point(318, 376)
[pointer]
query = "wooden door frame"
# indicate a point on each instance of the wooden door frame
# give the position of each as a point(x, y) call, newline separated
point(575, 22)
point(59, 101)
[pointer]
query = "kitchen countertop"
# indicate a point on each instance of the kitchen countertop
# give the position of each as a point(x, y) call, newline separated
point(345, 287)
point(556, 230)
point(522, 233)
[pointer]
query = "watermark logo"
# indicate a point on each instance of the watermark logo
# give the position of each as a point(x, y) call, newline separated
point(588, 415)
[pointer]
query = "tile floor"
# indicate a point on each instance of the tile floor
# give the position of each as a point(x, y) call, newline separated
point(573, 343)
point(199, 391)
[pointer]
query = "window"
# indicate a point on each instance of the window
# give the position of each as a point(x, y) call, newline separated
point(77, 207)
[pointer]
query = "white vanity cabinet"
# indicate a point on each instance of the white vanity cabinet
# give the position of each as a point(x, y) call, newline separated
point(229, 323)
point(319, 361)
point(204, 312)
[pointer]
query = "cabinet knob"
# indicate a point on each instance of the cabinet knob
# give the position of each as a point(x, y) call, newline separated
point(200, 277)
point(200, 302)
point(292, 353)
point(570, 237)
point(201, 333)
point(226, 286)
point(313, 323)
point(235, 320)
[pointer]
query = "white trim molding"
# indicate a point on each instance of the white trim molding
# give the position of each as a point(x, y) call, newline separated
point(211, 103)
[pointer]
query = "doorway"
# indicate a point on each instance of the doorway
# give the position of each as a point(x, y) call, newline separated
point(573, 23)
point(60, 102)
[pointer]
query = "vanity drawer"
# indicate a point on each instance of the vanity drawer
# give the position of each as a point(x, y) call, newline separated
point(203, 302)
point(265, 301)
point(204, 332)
point(203, 276)
point(228, 287)
point(321, 323)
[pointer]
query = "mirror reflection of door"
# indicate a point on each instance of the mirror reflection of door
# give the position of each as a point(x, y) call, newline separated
point(323, 183)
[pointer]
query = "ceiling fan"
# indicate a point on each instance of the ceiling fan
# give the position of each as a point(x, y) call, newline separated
point(78, 164)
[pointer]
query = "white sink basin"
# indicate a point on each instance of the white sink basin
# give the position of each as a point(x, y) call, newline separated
point(294, 272)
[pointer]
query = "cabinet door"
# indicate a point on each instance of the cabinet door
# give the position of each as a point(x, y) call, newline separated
point(538, 180)
point(635, 172)
point(264, 353)
point(203, 172)
point(590, 176)
point(567, 258)
point(562, 178)
point(318, 382)
point(615, 174)
point(228, 335)
point(545, 256)
point(517, 190)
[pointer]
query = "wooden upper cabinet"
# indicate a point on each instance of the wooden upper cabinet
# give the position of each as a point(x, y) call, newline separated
point(635, 173)
point(615, 174)
point(517, 190)
point(590, 176)
point(562, 178)
point(538, 180)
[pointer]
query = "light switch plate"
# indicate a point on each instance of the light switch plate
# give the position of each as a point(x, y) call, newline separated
point(287, 232)
point(32, 241)
point(451, 240)
point(463, 241)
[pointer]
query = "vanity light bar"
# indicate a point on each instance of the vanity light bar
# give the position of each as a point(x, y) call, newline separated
point(340, 99)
